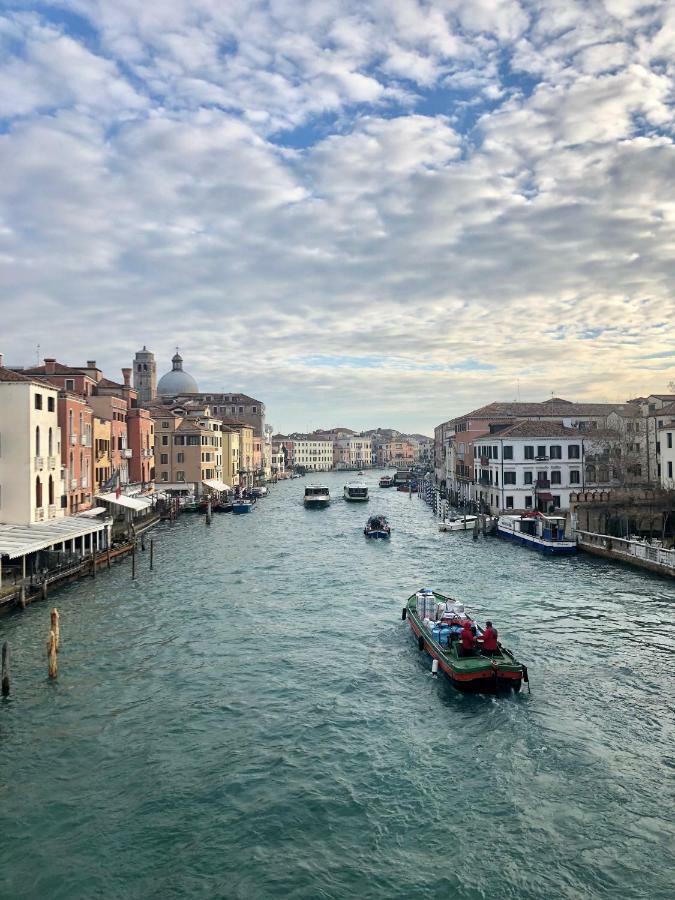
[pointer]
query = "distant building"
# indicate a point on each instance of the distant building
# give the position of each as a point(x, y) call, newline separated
point(177, 382)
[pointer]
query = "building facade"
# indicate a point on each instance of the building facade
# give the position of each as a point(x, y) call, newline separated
point(188, 447)
point(75, 421)
point(145, 376)
point(141, 443)
point(102, 462)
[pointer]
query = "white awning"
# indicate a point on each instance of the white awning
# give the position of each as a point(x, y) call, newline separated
point(19, 540)
point(137, 503)
point(90, 513)
point(216, 485)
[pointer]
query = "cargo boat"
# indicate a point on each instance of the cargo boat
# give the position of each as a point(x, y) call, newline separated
point(476, 673)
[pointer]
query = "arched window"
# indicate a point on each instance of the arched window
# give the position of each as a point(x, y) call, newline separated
point(81, 424)
point(603, 474)
point(51, 443)
point(37, 441)
point(51, 491)
point(70, 423)
point(590, 473)
point(72, 466)
point(38, 492)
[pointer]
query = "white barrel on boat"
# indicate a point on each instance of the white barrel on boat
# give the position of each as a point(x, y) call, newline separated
point(434, 667)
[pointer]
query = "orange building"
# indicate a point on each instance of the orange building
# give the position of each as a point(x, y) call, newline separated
point(75, 422)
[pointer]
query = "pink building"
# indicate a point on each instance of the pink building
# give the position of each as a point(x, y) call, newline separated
point(141, 431)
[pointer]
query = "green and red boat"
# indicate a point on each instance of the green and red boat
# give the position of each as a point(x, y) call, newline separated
point(478, 673)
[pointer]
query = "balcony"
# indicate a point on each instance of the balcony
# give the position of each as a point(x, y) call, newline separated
point(39, 514)
point(73, 483)
point(51, 462)
point(541, 458)
point(84, 440)
point(542, 484)
point(84, 481)
point(39, 462)
point(101, 453)
point(127, 453)
point(73, 439)
point(51, 512)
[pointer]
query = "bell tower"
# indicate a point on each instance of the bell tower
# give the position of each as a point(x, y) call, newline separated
point(145, 376)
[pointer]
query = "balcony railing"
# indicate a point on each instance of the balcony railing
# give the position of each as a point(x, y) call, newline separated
point(39, 462)
point(39, 514)
point(51, 462)
point(542, 484)
point(51, 512)
point(84, 481)
point(127, 453)
point(73, 439)
point(84, 440)
point(73, 483)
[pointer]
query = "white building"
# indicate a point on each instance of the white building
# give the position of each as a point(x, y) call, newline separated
point(312, 454)
point(355, 452)
point(31, 482)
point(536, 465)
point(666, 448)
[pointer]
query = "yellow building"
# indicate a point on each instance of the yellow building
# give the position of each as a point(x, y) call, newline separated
point(231, 455)
point(102, 436)
point(246, 452)
point(188, 447)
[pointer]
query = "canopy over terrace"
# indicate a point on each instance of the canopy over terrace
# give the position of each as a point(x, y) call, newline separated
point(19, 541)
point(137, 504)
point(216, 485)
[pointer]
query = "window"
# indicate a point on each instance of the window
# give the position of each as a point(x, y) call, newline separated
point(180, 476)
point(527, 477)
point(669, 438)
point(575, 476)
point(541, 452)
point(556, 501)
point(573, 451)
point(508, 452)
point(180, 457)
point(165, 440)
point(528, 503)
point(37, 441)
point(70, 384)
point(38, 401)
point(164, 476)
point(670, 470)
point(529, 452)
point(50, 404)
point(509, 477)
point(164, 459)
point(165, 424)
point(38, 492)
point(556, 478)
point(555, 452)
point(509, 502)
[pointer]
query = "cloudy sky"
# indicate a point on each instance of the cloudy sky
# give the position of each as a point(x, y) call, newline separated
point(378, 213)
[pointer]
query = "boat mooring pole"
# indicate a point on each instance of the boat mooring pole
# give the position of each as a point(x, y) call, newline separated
point(53, 666)
point(152, 552)
point(5, 669)
point(133, 560)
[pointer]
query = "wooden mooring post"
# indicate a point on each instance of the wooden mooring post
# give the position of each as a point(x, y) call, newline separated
point(133, 560)
point(208, 511)
point(56, 627)
point(152, 552)
point(5, 669)
point(52, 663)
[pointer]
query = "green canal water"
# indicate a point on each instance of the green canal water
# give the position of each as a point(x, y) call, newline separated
point(253, 720)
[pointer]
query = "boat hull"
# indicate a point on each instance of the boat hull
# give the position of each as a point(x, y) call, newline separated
point(383, 535)
point(456, 526)
point(317, 504)
point(551, 548)
point(240, 508)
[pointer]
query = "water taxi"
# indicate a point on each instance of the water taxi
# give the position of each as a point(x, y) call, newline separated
point(377, 527)
point(356, 493)
point(386, 481)
point(457, 523)
point(317, 496)
point(467, 671)
point(535, 530)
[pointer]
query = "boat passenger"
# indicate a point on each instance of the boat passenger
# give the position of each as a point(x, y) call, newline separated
point(490, 643)
point(468, 645)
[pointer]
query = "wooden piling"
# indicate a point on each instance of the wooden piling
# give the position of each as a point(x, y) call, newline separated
point(133, 561)
point(208, 511)
point(43, 588)
point(152, 552)
point(53, 666)
point(22, 596)
point(93, 564)
point(143, 541)
point(108, 556)
point(56, 627)
point(5, 669)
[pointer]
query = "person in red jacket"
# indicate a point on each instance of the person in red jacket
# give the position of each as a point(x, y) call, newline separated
point(468, 640)
point(490, 643)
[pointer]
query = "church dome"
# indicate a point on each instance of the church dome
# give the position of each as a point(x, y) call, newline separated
point(177, 381)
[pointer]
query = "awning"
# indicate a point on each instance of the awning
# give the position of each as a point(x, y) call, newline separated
point(216, 485)
point(544, 495)
point(137, 503)
point(19, 540)
point(90, 513)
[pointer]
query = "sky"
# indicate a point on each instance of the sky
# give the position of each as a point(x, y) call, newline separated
point(362, 213)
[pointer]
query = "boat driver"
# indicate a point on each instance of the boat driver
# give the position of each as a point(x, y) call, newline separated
point(490, 644)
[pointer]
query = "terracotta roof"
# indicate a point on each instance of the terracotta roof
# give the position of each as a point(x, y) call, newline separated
point(59, 369)
point(10, 376)
point(553, 407)
point(533, 429)
point(628, 410)
point(106, 382)
point(667, 410)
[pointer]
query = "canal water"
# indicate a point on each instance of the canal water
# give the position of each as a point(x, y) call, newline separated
point(253, 720)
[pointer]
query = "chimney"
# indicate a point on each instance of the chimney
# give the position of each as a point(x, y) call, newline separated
point(50, 365)
point(126, 373)
point(91, 363)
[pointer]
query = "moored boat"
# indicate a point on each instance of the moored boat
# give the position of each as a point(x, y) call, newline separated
point(535, 530)
point(377, 527)
point(386, 481)
point(356, 493)
point(260, 491)
point(476, 670)
point(242, 505)
point(317, 496)
point(457, 523)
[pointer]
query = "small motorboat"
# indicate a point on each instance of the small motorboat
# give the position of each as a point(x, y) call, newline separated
point(474, 670)
point(537, 531)
point(260, 491)
point(356, 493)
point(377, 527)
point(458, 523)
point(243, 505)
point(317, 496)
